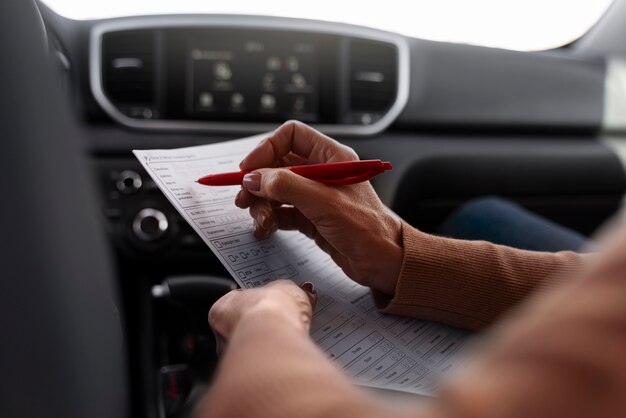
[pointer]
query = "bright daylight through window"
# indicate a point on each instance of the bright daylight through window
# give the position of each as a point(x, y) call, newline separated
point(512, 24)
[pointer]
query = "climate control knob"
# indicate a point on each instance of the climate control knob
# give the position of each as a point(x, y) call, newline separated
point(128, 182)
point(149, 225)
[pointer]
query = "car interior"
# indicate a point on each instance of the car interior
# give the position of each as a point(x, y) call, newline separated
point(88, 239)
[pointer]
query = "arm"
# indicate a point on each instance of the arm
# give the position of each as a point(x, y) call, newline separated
point(561, 356)
point(271, 367)
point(272, 370)
point(462, 283)
point(470, 284)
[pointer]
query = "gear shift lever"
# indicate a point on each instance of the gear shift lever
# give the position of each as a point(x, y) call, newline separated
point(193, 289)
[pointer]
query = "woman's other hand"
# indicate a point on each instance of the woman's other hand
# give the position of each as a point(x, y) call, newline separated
point(281, 300)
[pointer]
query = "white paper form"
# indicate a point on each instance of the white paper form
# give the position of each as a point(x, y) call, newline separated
point(376, 350)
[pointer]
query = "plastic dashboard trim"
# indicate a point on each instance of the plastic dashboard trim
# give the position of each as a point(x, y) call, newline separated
point(246, 22)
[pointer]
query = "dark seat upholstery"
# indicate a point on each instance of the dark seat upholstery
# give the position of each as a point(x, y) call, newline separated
point(62, 351)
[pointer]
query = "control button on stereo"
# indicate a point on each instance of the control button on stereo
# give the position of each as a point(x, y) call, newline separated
point(299, 103)
point(293, 64)
point(268, 102)
point(236, 101)
point(222, 71)
point(298, 80)
point(128, 182)
point(205, 100)
point(269, 81)
point(150, 224)
point(273, 63)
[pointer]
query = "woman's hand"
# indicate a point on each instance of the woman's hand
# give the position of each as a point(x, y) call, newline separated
point(272, 368)
point(281, 300)
point(350, 223)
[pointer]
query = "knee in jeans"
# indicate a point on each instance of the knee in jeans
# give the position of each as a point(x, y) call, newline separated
point(483, 205)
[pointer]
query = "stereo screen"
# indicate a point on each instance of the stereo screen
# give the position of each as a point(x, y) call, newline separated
point(265, 81)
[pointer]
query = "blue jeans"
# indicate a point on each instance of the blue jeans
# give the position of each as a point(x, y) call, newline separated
point(503, 222)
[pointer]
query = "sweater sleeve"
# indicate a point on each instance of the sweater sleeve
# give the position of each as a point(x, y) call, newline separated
point(561, 354)
point(469, 284)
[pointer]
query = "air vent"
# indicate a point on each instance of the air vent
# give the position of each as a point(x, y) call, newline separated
point(128, 71)
point(373, 76)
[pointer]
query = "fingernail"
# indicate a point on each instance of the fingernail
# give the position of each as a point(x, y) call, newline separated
point(252, 181)
point(220, 344)
point(241, 163)
point(258, 231)
point(263, 220)
point(308, 287)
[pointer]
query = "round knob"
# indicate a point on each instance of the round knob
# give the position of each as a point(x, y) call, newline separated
point(150, 224)
point(128, 182)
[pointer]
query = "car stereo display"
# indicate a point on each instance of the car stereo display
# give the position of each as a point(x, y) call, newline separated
point(262, 80)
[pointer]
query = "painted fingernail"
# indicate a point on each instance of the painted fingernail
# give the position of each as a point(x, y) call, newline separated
point(252, 181)
point(308, 287)
point(263, 220)
point(258, 231)
point(220, 344)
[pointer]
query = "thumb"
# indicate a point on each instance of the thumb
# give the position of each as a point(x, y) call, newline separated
point(284, 186)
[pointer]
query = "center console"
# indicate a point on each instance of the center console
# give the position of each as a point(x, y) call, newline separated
point(225, 76)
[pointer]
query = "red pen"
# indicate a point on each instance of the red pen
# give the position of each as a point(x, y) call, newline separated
point(340, 173)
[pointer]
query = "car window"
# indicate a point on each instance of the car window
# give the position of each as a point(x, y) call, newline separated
point(511, 24)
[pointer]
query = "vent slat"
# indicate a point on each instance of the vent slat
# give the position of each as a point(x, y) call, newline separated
point(128, 63)
point(373, 76)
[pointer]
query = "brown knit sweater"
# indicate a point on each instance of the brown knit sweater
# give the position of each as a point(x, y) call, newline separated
point(469, 284)
point(560, 354)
